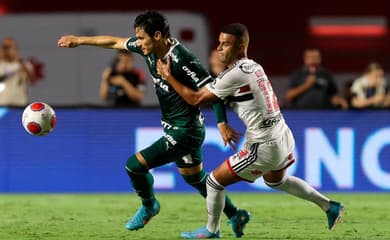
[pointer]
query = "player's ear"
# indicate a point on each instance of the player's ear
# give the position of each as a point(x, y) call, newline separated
point(241, 47)
point(157, 35)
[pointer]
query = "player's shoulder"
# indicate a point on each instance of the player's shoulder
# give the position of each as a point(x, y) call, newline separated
point(244, 67)
point(178, 50)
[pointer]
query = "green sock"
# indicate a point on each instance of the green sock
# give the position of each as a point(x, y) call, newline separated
point(198, 181)
point(141, 180)
point(143, 186)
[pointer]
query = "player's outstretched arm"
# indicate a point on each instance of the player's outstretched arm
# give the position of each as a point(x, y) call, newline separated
point(71, 41)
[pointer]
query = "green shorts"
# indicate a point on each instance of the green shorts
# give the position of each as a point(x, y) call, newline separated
point(182, 146)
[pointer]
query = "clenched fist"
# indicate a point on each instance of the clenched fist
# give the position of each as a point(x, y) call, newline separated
point(68, 41)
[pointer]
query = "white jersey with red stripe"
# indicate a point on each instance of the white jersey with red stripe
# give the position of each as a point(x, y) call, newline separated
point(246, 87)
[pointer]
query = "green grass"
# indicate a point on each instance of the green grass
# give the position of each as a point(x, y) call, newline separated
point(102, 216)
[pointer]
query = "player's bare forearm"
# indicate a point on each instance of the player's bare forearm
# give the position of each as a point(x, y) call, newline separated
point(71, 41)
point(189, 95)
point(192, 97)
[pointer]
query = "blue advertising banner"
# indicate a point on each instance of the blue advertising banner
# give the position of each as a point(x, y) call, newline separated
point(88, 149)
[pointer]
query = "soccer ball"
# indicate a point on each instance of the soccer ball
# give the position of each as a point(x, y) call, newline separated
point(38, 119)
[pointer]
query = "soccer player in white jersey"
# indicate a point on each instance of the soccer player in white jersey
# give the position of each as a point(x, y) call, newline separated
point(269, 142)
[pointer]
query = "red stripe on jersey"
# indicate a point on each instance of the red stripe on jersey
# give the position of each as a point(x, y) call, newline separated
point(245, 88)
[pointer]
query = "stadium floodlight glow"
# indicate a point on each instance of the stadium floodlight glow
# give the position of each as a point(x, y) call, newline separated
point(348, 26)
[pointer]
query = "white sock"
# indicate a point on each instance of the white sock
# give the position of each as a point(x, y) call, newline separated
point(299, 188)
point(215, 203)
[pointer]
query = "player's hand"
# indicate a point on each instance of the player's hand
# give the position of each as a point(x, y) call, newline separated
point(68, 41)
point(229, 135)
point(164, 69)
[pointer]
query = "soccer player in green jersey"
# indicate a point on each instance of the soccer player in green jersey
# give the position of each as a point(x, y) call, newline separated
point(183, 124)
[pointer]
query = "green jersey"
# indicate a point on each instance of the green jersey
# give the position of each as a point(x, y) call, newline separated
point(187, 69)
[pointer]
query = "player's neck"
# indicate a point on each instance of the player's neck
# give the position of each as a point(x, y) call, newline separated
point(163, 49)
point(239, 57)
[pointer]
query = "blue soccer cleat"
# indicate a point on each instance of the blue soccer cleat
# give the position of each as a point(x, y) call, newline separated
point(200, 233)
point(334, 214)
point(239, 221)
point(143, 216)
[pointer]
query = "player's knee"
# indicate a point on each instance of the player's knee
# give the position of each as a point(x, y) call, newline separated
point(134, 166)
point(275, 184)
point(196, 179)
point(212, 184)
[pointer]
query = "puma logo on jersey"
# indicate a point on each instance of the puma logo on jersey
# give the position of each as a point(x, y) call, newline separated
point(174, 58)
point(158, 82)
point(190, 73)
point(150, 60)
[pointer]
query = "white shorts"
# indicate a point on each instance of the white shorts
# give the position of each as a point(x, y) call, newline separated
point(257, 159)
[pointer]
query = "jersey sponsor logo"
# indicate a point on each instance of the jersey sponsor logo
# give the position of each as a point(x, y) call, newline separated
point(170, 139)
point(271, 121)
point(248, 67)
point(158, 82)
point(190, 73)
point(166, 125)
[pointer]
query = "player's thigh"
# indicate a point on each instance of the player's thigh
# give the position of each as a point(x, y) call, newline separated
point(257, 159)
point(224, 175)
point(175, 146)
point(160, 153)
point(189, 148)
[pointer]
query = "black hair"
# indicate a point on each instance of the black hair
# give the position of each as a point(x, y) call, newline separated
point(152, 22)
point(237, 29)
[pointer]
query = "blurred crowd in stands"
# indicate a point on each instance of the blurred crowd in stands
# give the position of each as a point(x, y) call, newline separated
point(312, 86)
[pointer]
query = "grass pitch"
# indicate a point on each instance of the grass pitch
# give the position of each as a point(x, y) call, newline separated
point(102, 216)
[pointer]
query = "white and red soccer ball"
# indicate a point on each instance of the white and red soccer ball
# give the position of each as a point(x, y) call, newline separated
point(38, 119)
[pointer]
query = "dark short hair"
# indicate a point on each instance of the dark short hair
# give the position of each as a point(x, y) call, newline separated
point(152, 22)
point(236, 29)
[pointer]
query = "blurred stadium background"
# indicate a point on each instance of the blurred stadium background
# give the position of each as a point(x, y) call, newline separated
point(337, 151)
point(279, 34)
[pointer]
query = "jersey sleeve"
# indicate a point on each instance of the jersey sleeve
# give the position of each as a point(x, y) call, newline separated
point(191, 67)
point(131, 45)
point(204, 75)
point(223, 87)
